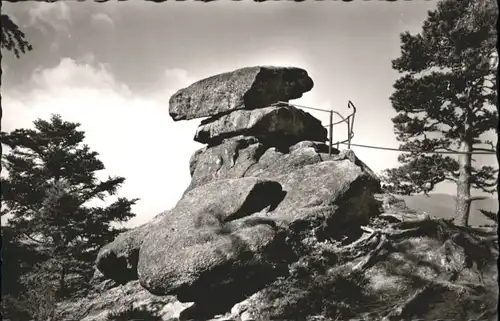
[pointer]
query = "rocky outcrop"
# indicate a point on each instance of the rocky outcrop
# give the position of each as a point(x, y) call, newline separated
point(399, 269)
point(246, 88)
point(130, 296)
point(264, 183)
point(196, 241)
point(229, 236)
point(271, 220)
point(277, 125)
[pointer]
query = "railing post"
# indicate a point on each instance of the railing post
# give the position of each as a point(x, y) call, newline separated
point(351, 123)
point(352, 126)
point(348, 133)
point(331, 134)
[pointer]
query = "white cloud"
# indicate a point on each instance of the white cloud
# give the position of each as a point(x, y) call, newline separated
point(177, 75)
point(135, 136)
point(57, 15)
point(101, 19)
point(70, 75)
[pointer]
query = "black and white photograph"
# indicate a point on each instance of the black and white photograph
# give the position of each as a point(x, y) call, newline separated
point(249, 160)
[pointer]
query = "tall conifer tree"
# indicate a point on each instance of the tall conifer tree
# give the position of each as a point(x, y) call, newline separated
point(446, 100)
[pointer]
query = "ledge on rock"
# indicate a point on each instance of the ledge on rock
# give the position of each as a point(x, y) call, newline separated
point(276, 125)
point(246, 88)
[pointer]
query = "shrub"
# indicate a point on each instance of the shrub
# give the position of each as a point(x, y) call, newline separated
point(132, 314)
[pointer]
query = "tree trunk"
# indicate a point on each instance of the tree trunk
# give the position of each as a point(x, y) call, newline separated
point(498, 161)
point(463, 185)
point(62, 282)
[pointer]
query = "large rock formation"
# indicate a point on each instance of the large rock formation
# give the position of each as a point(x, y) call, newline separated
point(269, 212)
point(246, 88)
point(256, 189)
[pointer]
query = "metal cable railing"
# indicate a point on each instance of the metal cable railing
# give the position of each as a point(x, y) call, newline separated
point(349, 120)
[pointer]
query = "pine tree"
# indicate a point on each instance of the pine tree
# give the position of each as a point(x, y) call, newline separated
point(12, 38)
point(51, 180)
point(18, 259)
point(446, 101)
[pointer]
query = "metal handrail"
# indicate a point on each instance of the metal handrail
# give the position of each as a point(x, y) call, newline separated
point(340, 121)
point(344, 141)
point(341, 142)
point(349, 120)
point(294, 105)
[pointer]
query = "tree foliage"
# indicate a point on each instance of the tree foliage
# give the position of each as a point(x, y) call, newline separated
point(18, 260)
point(12, 38)
point(49, 191)
point(445, 100)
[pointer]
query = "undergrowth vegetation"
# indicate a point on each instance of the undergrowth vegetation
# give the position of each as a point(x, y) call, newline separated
point(131, 314)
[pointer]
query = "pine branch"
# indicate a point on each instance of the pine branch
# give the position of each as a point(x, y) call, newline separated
point(491, 215)
point(451, 179)
point(12, 38)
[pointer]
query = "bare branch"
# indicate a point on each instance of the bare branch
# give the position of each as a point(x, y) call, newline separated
point(491, 215)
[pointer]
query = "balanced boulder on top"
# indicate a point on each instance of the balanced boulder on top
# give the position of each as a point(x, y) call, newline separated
point(245, 88)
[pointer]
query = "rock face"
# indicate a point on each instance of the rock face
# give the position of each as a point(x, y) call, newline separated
point(130, 296)
point(280, 125)
point(247, 156)
point(202, 235)
point(233, 234)
point(246, 88)
point(270, 216)
point(118, 260)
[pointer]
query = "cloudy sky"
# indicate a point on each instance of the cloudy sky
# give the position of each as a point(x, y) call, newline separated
point(113, 66)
